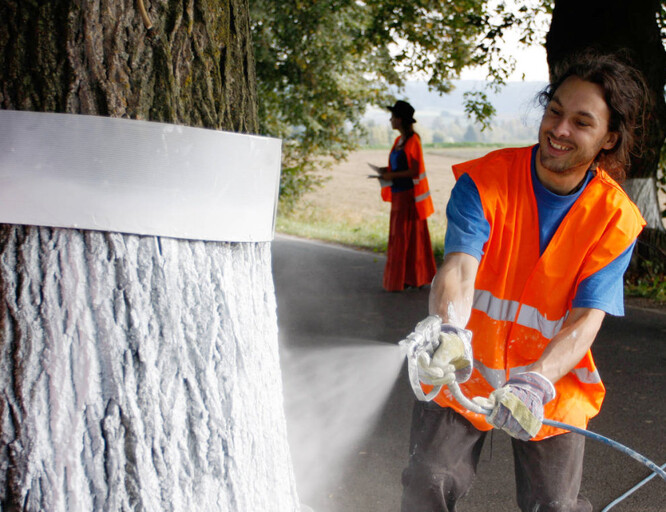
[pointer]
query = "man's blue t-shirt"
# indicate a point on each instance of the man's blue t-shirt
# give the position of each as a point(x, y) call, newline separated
point(468, 230)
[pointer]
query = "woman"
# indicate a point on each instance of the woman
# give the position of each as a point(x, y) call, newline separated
point(410, 261)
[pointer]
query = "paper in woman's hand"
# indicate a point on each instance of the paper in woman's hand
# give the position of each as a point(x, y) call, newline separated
point(378, 170)
point(375, 168)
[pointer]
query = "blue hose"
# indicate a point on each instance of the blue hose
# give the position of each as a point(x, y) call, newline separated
point(630, 491)
point(474, 407)
point(614, 444)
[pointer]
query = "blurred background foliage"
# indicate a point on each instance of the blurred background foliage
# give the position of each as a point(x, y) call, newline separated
point(321, 63)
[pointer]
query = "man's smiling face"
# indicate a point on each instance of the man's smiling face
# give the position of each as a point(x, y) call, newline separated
point(574, 129)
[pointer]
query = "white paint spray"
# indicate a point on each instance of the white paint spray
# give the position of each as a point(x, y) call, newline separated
point(333, 397)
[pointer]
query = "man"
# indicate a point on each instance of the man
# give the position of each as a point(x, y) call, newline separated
point(537, 242)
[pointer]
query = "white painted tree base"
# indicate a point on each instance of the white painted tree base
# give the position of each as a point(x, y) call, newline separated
point(139, 374)
point(643, 192)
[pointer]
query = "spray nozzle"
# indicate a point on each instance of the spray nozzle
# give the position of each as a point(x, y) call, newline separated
point(419, 346)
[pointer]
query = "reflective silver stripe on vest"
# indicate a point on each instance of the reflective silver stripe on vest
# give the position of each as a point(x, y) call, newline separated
point(418, 179)
point(421, 197)
point(530, 317)
point(506, 310)
point(497, 309)
point(496, 378)
point(586, 376)
point(518, 369)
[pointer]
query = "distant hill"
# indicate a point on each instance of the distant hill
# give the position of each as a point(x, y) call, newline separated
point(442, 118)
point(516, 99)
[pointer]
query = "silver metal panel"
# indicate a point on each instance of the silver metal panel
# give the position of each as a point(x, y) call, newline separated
point(101, 173)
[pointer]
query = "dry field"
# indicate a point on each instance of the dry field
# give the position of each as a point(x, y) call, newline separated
point(350, 197)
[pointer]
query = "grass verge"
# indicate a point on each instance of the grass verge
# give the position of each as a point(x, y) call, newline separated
point(367, 236)
point(348, 228)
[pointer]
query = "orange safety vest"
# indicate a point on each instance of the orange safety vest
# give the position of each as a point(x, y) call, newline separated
point(522, 299)
point(413, 151)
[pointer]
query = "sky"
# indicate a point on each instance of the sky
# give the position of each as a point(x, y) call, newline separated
point(529, 61)
point(531, 64)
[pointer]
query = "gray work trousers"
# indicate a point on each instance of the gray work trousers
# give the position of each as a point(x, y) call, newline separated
point(445, 450)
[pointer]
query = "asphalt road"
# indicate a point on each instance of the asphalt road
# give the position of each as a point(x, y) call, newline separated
point(330, 301)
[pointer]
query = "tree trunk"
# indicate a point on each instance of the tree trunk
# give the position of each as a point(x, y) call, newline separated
point(630, 27)
point(137, 373)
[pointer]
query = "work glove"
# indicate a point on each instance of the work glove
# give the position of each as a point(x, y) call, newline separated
point(450, 361)
point(517, 407)
point(427, 331)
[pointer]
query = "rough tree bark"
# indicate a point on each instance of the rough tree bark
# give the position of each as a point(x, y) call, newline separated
point(136, 373)
point(630, 27)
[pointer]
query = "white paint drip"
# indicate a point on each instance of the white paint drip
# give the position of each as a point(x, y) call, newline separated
point(459, 311)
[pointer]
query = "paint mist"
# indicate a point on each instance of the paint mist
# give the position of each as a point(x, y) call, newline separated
point(334, 395)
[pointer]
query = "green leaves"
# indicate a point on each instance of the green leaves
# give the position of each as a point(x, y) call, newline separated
point(320, 63)
point(478, 106)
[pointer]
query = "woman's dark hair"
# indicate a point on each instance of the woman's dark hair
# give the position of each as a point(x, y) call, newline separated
point(627, 97)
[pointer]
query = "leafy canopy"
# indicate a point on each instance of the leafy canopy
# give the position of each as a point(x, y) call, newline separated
point(320, 63)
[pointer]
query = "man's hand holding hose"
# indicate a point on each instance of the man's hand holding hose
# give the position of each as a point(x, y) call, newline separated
point(450, 361)
point(437, 354)
point(443, 355)
point(517, 407)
